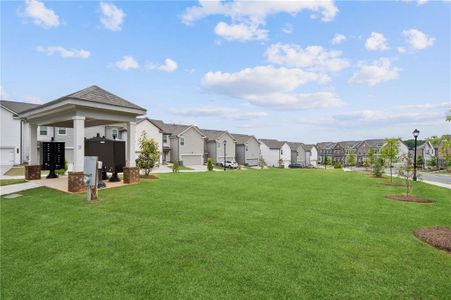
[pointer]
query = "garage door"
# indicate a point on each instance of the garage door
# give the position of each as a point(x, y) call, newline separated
point(7, 156)
point(191, 160)
point(252, 162)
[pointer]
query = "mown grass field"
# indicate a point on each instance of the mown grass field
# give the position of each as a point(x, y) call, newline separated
point(246, 234)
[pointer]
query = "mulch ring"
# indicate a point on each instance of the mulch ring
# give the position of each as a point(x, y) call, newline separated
point(438, 237)
point(149, 177)
point(410, 198)
point(391, 184)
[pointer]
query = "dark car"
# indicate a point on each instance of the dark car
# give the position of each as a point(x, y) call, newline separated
point(295, 166)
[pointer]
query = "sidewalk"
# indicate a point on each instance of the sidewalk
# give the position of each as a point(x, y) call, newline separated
point(16, 188)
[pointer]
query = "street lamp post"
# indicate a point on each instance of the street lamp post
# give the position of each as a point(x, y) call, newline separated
point(225, 153)
point(415, 133)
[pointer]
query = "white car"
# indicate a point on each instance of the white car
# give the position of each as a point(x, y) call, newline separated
point(231, 164)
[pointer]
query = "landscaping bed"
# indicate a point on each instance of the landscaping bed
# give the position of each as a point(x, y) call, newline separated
point(438, 237)
point(409, 198)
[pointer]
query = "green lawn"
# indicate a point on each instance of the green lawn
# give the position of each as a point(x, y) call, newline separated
point(263, 234)
point(11, 181)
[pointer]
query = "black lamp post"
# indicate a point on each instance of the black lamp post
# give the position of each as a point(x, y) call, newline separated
point(415, 133)
point(225, 153)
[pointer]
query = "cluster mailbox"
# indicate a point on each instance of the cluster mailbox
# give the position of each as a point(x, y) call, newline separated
point(110, 152)
point(52, 157)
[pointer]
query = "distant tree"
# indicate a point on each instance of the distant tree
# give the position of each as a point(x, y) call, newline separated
point(411, 143)
point(326, 161)
point(209, 164)
point(261, 162)
point(390, 154)
point(434, 140)
point(366, 163)
point(337, 165)
point(378, 167)
point(149, 155)
point(176, 167)
point(420, 161)
point(371, 157)
point(432, 163)
point(281, 165)
point(352, 159)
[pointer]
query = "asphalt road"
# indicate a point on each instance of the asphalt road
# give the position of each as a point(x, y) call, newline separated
point(442, 178)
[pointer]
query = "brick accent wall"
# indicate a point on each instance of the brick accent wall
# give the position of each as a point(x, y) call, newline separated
point(32, 172)
point(131, 175)
point(76, 182)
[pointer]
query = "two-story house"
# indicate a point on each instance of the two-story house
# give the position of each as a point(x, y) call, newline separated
point(220, 145)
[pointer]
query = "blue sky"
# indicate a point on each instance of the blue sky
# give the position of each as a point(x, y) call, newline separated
point(297, 71)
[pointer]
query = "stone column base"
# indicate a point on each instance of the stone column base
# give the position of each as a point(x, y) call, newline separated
point(76, 182)
point(131, 175)
point(32, 172)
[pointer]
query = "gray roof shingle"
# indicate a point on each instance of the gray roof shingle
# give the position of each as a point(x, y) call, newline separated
point(97, 95)
point(242, 138)
point(17, 107)
point(212, 135)
point(272, 144)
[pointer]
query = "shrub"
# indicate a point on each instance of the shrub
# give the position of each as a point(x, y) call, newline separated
point(149, 155)
point(281, 165)
point(61, 172)
point(261, 162)
point(176, 167)
point(378, 167)
point(209, 164)
point(337, 165)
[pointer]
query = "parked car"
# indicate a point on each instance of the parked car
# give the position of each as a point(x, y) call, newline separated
point(231, 164)
point(295, 166)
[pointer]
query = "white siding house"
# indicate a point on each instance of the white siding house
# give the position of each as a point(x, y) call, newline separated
point(273, 152)
point(214, 145)
point(247, 149)
point(152, 132)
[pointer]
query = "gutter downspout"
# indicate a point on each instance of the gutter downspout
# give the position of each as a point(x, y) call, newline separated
point(21, 137)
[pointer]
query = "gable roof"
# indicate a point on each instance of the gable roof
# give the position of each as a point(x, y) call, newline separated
point(349, 144)
point(139, 120)
point(272, 144)
point(295, 145)
point(213, 135)
point(173, 129)
point(326, 145)
point(17, 107)
point(309, 147)
point(97, 95)
point(375, 142)
point(242, 138)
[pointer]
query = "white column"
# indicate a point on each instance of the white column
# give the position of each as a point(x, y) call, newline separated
point(130, 147)
point(79, 143)
point(33, 158)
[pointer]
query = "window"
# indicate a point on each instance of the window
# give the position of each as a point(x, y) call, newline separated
point(61, 131)
point(281, 151)
point(165, 138)
point(247, 148)
point(182, 141)
point(42, 130)
point(114, 133)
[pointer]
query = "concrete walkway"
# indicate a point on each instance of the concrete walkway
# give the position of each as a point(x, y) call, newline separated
point(16, 188)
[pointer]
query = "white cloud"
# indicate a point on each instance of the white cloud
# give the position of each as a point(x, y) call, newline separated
point(376, 42)
point(417, 40)
point(63, 52)
point(218, 111)
point(374, 73)
point(249, 16)
point(315, 57)
point(241, 32)
point(445, 105)
point(338, 39)
point(113, 17)
point(168, 66)
point(40, 14)
point(127, 63)
point(401, 50)
point(287, 28)
point(270, 86)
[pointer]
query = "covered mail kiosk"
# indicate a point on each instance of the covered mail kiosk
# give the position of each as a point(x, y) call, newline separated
point(89, 107)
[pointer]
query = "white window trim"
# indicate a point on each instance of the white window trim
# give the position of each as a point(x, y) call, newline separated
point(182, 141)
point(46, 130)
point(58, 131)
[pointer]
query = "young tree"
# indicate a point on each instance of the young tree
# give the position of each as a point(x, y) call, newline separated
point(406, 172)
point(176, 167)
point(371, 158)
point(261, 162)
point(390, 153)
point(378, 167)
point(352, 159)
point(326, 161)
point(149, 155)
point(209, 164)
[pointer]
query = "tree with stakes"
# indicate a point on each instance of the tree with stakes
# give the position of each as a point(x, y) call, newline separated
point(371, 158)
point(390, 154)
point(406, 172)
point(351, 159)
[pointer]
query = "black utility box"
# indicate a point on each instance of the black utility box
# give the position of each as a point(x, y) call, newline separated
point(110, 152)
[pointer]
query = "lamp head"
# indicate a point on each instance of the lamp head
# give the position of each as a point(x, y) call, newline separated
point(416, 132)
